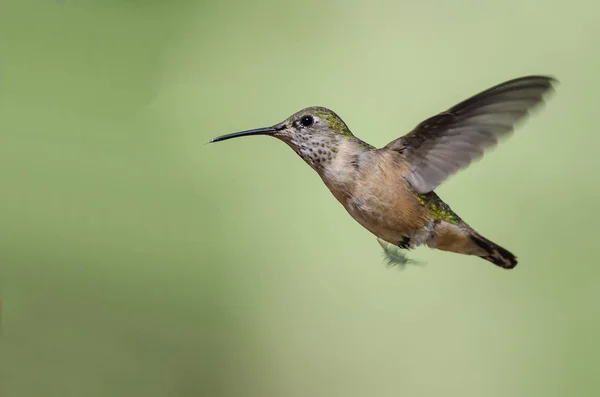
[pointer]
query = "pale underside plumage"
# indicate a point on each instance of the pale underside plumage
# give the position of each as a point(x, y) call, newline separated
point(443, 144)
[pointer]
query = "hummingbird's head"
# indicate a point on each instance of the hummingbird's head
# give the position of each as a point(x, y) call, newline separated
point(311, 124)
point(314, 133)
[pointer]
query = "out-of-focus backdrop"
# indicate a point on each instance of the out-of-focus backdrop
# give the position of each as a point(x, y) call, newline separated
point(135, 260)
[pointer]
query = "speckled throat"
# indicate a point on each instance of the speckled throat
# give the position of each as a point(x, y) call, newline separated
point(317, 151)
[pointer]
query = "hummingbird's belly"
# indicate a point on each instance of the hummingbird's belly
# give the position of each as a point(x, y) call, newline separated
point(394, 216)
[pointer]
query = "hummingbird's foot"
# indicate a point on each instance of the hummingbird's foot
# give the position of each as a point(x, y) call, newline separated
point(405, 243)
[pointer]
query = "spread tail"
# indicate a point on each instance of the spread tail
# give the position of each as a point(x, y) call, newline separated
point(494, 253)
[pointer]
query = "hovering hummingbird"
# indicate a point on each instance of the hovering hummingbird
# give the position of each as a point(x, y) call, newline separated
point(390, 190)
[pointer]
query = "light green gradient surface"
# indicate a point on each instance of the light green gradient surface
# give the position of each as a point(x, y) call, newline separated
point(135, 260)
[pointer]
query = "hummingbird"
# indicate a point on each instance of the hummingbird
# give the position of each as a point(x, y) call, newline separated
point(390, 190)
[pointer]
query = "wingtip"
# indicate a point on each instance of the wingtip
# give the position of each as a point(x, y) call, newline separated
point(551, 80)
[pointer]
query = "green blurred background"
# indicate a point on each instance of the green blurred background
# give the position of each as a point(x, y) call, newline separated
point(137, 261)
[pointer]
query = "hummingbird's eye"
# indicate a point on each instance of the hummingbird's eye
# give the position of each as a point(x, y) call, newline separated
point(307, 121)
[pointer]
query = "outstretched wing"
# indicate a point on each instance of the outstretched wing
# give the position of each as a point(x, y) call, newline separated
point(443, 144)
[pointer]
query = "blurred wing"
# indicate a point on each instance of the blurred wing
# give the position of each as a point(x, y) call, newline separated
point(450, 141)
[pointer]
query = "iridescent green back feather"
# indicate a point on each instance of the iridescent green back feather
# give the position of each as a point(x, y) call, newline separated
point(438, 209)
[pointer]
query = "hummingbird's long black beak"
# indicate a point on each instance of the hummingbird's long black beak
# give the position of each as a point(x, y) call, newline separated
point(257, 131)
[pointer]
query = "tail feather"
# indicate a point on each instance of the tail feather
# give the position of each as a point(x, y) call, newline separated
point(494, 253)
